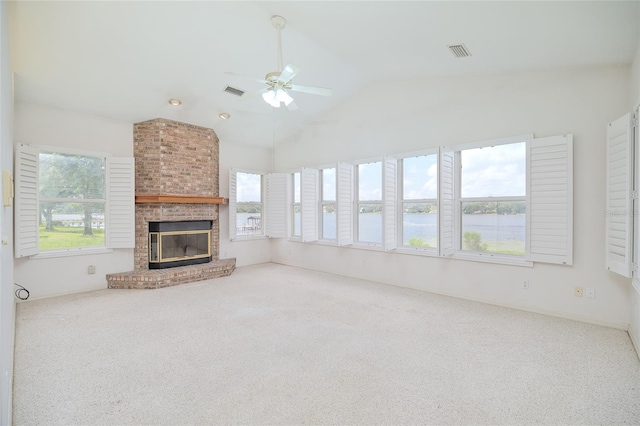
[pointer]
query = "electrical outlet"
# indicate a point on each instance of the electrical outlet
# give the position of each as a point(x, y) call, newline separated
point(91, 269)
point(590, 293)
point(577, 291)
point(525, 285)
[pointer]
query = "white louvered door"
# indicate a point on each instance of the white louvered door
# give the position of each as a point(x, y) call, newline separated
point(446, 206)
point(345, 203)
point(309, 179)
point(619, 204)
point(550, 200)
point(120, 217)
point(276, 205)
point(27, 211)
point(233, 193)
point(389, 203)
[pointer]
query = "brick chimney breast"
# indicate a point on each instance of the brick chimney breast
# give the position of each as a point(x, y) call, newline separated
point(174, 158)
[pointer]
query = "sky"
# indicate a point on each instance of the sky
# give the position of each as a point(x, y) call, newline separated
point(248, 187)
point(486, 172)
point(494, 171)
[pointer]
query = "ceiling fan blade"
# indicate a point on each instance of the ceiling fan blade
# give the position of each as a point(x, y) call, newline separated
point(322, 91)
point(246, 76)
point(288, 73)
point(292, 106)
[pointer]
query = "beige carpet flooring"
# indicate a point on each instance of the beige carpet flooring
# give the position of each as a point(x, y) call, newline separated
point(277, 345)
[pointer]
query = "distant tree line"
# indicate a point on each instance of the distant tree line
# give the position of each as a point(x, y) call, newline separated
point(492, 207)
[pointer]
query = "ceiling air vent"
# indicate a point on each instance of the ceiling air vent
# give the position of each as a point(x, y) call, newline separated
point(233, 91)
point(459, 50)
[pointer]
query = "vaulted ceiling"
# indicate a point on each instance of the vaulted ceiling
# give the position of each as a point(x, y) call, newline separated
point(126, 59)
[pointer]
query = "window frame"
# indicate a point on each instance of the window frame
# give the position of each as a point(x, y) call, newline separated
point(504, 258)
point(357, 203)
point(67, 200)
point(322, 203)
point(261, 204)
point(401, 201)
point(119, 200)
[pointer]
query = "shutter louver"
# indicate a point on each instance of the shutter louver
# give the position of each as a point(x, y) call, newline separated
point(389, 204)
point(550, 200)
point(345, 203)
point(276, 205)
point(27, 210)
point(619, 205)
point(120, 217)
point(309, 204)
point(446, 197)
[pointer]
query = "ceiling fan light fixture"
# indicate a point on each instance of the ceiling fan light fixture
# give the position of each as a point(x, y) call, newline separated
point(270, 98)
point(276, 97)
point(284, 97)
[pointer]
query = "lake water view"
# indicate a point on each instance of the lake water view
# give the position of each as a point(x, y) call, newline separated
point(497, 233)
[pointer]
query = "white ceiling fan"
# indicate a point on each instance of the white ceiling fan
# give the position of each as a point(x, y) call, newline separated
point(279, 83)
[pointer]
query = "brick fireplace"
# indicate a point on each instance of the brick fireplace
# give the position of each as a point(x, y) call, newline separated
point(176, 180)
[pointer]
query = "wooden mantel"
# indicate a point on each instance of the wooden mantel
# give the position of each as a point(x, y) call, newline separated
point(179, 199)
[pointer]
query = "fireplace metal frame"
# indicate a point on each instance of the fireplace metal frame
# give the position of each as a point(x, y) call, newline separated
point(156, 261)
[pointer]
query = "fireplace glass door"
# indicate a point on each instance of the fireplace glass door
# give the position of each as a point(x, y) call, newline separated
point(178, 246)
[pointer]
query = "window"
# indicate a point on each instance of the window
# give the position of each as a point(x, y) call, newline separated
point(72, 201)
point(493, 199)
point(419, 201)
point(328, 207)
point(369, 203)
point(259, 204)
point(296, 207)
point(248, 204)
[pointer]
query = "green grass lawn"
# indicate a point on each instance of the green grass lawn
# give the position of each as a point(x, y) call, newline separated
point(64, 237)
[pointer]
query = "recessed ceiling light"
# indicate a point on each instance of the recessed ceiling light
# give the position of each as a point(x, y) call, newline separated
point(224, 115)
point(175, 102)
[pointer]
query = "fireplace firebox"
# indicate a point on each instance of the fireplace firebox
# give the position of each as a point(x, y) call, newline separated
point(179, 243)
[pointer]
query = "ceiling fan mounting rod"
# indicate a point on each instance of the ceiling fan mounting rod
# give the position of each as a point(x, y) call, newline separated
point(279, 23)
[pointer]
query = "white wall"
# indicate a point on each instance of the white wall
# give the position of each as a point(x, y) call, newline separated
point(395, 117)
point(39, 125)
point(241, 157)
point(7, 300)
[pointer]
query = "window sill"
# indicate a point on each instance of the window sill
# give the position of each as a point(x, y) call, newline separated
point(430, 251)
point(249, 238)
point(71, 252)
point(367, 246)
point(492, 258)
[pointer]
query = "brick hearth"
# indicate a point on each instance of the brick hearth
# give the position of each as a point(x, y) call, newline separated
point(173, 158)
point(158, 278)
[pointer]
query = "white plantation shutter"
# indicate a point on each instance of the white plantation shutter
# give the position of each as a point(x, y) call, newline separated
point(344, 178)
point(309, 179)
point(550, 199)
point(446, 204)
point(27, 211)
point(276, 205)
point(389, 204)
point(619, 204)
point(120, 203)
point(233, 192)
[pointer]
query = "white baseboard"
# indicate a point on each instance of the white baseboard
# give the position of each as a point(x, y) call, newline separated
point(82, 290)
point(557, 314)
point(634, 342)
point(633, 333)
